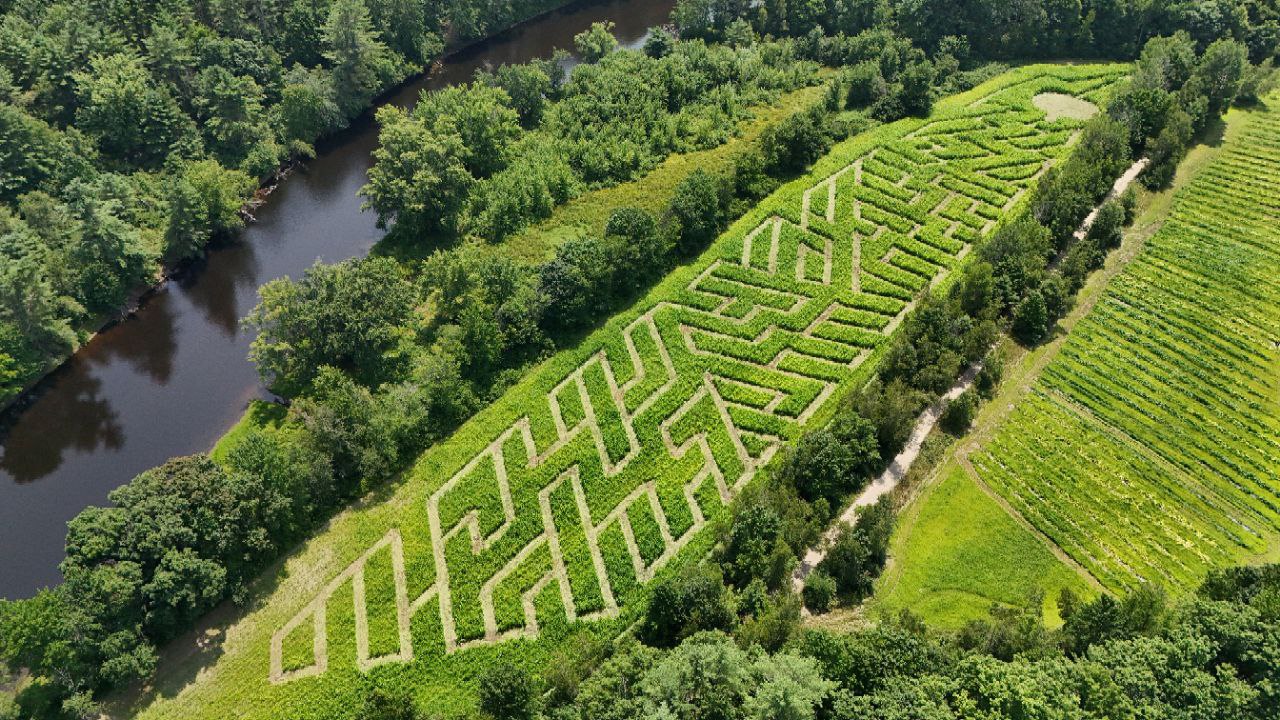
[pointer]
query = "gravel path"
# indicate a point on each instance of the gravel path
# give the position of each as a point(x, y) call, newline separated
point(888, 479)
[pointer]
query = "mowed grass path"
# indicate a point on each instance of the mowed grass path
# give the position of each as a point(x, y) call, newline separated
point(1148, 449)
point(606, 465)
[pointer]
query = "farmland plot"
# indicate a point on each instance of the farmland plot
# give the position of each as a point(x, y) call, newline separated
point(556, 506)
point(1150, 449)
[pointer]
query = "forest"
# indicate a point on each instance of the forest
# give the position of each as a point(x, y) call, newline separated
point(383, 357)
point(135, 133)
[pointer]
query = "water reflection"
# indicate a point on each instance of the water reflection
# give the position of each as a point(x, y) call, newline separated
point(147, 341)
point(79, 417)
point(222, 284)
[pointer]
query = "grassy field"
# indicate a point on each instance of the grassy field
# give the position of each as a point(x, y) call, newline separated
point(546, 514)
point(1143, 445)
point(964, 553)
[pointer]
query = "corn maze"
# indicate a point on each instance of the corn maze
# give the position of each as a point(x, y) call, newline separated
point(599, 473)
point(1150, 449)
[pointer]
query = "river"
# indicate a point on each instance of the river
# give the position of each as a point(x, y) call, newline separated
point(174, 377)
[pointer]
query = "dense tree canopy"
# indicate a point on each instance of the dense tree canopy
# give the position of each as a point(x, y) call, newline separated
point(184, 106)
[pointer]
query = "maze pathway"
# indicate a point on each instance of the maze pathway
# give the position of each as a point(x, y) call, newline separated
point(591, 492)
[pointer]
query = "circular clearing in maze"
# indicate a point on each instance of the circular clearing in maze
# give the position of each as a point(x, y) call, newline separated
point(1059, 105)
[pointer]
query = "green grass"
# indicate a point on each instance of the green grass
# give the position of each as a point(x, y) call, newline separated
point(958, 553)
point(549, 521)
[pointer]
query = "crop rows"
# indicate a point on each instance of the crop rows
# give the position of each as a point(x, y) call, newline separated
point(1177, 371)
point(573, 500)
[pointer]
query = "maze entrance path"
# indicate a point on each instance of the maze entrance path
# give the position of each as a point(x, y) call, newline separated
point(625, 458)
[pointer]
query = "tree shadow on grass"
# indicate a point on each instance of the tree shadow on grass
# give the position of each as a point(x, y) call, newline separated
point(183, 660)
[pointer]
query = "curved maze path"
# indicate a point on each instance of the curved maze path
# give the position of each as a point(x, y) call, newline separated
point(591, 493)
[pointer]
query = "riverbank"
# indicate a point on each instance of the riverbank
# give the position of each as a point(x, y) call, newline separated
point(172, 379)
point(139, 296)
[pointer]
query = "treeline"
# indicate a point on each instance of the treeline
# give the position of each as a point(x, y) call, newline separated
point(134, 132)
point(1210, 655)
point(995, 29)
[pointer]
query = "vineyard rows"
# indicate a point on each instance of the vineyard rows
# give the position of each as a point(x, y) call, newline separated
point(1151, 448)
point(568, 495)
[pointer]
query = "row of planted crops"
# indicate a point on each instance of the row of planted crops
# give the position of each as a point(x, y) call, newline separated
point(1148, 451)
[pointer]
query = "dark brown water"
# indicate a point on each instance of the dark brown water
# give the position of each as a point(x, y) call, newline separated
point(172, 379)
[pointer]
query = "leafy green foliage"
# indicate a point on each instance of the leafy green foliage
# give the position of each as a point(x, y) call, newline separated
point(595, 42)
point(686, 603)
point(530, 138)
point(141, 132)
point(860, 550)
point(830, 462)
point(352, 316)
point(819, 591)
point(507, 691)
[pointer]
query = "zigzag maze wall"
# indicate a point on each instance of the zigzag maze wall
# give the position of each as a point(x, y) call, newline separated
point(558, 503)
point(571, 506)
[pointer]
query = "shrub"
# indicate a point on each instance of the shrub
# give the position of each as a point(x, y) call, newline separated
point(819, 591)
point(682, 604)
point(1031, 319)
point(831, 462)
point(751, 179)
point(595, 42)
point(1059, 296)
point(860, 550)
point(797, 142)
point(988, 379)
point(698, 208)
point(959, 413)
point(507, 692)
point(1108, 224)
point(892, 409)
point(773, 625)
point(866, 84)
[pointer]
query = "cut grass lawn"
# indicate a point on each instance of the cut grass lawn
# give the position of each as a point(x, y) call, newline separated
point(543, 512)
point(960, 553)
point(1083, 456)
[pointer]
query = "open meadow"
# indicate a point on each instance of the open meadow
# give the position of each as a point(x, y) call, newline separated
point(548, 513)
